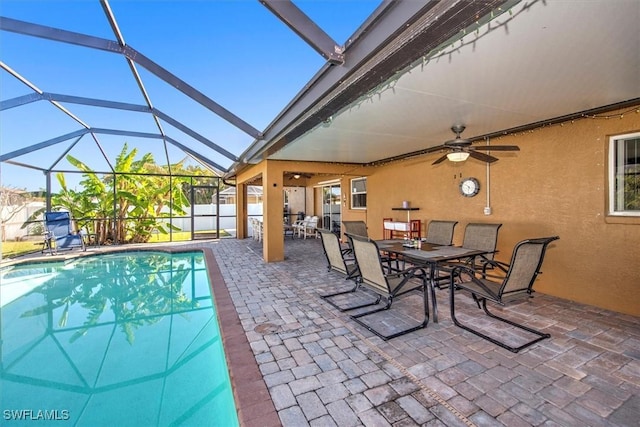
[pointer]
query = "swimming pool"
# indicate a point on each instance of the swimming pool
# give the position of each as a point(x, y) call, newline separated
point(115, 339)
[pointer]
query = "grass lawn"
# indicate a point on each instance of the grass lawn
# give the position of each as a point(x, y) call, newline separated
point(11, 249)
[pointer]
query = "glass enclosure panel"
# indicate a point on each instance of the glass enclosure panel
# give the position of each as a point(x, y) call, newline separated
point(204, 212)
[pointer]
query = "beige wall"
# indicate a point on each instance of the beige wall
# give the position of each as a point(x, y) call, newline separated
point(556, 185)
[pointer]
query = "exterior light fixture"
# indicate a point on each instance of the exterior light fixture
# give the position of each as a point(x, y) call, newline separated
point(458, 156)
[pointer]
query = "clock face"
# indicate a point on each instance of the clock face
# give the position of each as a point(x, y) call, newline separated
point(469, 187)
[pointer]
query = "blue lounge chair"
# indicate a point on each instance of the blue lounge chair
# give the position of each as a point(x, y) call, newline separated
point(59, 232)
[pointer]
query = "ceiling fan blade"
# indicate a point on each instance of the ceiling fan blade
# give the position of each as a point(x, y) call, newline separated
point(483, 157)
point(440, 160)
point(497, 147)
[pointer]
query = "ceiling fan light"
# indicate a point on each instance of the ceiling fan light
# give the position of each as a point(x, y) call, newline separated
point(296, 176)
point(458, 156)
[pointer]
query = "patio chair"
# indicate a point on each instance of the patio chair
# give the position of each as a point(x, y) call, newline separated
point(59, 233)
point(481, 236)
point(356, 228)
point(310, 228)
point(256, 229)
point(339, 261)
point(298, 225)
point(387, 285)
point(440, 232)
point(478, 236)
point(359, 228)
point(336, 255)
point(516, 281)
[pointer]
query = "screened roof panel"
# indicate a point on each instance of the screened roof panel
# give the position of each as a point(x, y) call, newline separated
point(190, 113)
point(201, 148)
point(79, 16)
point(32, 124)
point(111, 118)
point(236, 54)
point(86, 151)
point(46, 157)
point(11, 87)
point(63, 68)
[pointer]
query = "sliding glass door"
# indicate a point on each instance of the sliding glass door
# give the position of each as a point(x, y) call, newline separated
point(331, 207)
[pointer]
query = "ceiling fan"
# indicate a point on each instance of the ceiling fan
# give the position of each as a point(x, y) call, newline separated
point(460, 149)
point(296, 175)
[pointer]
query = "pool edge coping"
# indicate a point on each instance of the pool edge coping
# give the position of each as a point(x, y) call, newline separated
point(253, 400)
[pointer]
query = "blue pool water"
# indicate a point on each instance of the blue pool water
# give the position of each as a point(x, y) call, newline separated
point(127, 339)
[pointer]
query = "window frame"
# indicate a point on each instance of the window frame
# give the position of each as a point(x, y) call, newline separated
point(354, 192)
point(613, 167)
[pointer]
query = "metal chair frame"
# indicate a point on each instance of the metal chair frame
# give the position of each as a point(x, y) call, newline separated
point(520, 276)
point(387, 285)
point(60, 233)
point(337, 260)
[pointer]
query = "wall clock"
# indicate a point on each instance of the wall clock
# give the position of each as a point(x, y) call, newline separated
point(469, 187)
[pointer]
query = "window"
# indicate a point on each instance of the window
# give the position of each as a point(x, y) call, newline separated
point(624, 175)
point(359, 193)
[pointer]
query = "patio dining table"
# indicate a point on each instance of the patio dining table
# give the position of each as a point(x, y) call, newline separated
point(429, 256)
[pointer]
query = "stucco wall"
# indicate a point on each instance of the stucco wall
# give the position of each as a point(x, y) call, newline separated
point(556, 185)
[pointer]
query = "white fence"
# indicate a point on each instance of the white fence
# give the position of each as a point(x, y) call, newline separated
point(11, 230)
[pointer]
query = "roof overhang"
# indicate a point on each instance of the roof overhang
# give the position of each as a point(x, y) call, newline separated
point(495, 66)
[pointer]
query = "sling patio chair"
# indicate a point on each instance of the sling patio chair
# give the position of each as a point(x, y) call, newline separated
point(339, 261)
point(59, 233)
point(388, 286)
point(356, 228)
point(481, 236)
point(359, 228)
point(478, 236)
point(515, 281)
point(440, 232)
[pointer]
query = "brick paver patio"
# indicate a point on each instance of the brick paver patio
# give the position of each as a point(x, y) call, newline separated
point(323, 369)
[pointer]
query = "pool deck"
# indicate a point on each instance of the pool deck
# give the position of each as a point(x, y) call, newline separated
point(296, 360)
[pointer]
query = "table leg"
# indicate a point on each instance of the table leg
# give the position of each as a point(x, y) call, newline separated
point(432, 291)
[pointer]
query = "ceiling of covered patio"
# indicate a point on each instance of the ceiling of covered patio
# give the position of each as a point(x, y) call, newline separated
point(538, 63)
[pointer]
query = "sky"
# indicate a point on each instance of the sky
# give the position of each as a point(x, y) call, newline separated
point(236, 52)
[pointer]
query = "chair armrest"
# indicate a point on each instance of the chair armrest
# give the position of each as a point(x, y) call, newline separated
point(346, 251)
point(411, 271)
point(482, 289)
point(490, 263)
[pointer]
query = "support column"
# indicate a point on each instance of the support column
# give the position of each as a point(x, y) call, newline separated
point(241, 211)
point(273, 201)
